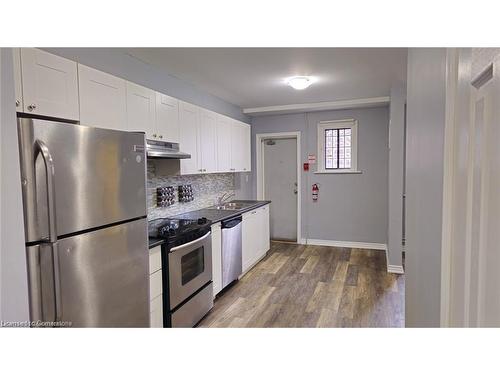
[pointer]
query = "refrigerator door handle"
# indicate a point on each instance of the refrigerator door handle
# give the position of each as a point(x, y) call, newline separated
point(51, 209)
point(51, 199)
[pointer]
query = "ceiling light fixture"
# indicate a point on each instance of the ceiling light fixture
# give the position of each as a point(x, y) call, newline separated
point(300, 82)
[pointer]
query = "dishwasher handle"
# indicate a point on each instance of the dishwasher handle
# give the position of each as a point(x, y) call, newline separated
point(231, 223)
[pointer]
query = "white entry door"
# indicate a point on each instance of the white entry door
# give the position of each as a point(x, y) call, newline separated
point(280, 186)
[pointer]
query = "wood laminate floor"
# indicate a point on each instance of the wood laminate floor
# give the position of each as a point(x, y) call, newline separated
point(313, 286)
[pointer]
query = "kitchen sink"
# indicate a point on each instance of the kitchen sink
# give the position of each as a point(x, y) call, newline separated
point(228, 206)
point(232, 206)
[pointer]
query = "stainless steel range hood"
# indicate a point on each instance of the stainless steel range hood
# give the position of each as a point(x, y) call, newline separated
point(165, 150)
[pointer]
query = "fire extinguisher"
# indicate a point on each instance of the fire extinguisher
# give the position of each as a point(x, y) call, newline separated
point(315, 190)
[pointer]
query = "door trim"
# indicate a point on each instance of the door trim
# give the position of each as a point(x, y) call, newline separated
point(260, 170)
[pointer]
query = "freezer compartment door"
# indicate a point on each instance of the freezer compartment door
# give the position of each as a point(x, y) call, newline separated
point(96, 176)
point(104, 277)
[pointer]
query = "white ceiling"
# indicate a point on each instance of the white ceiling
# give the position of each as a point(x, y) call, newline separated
point(254, 77)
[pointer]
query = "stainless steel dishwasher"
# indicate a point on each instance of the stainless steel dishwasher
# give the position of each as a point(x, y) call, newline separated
point(231, 250)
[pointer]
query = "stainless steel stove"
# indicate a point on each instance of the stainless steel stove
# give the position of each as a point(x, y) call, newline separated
point(186, 269)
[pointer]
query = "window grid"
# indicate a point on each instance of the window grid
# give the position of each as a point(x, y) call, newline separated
point(338, 148)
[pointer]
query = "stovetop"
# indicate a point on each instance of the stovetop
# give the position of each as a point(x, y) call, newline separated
point(178, 230)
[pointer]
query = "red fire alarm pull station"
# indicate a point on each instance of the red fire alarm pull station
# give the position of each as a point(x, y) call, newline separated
point(306, 167)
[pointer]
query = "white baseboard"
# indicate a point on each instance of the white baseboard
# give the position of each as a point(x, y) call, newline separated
point(356, 245)
point(395, 269)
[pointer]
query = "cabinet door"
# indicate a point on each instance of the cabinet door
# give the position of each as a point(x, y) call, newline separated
point(188, 123)
point(16, 54)
point(246, 147)
point(208, 141)
point(217, 257)
point(102, 99)
point(223, 133)
point(50, 84)
point(264, 234)
point(238, 147)
point(141, 110)
point(156, 312)
point(167, 118)
point(250, 236)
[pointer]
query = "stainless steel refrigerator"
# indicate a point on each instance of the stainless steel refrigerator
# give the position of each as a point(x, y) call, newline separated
point(84, 197)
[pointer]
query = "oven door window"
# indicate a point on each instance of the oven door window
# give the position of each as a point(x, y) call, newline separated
point(192, 264)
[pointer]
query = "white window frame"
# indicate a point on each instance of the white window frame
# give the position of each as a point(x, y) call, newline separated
point(338, 124)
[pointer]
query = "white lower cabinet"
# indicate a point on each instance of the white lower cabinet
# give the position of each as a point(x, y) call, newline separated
point(156, 312)
point(255, 236)
point(155, 288)
point(217, 258)
point(265, 244)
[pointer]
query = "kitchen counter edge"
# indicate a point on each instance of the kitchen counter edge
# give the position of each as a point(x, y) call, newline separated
point(230, 214)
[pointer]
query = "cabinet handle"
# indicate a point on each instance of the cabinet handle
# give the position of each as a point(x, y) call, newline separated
point(18, 103)
point(204, 170)
point(154, 135)
point(31, 107)
point(161, 136)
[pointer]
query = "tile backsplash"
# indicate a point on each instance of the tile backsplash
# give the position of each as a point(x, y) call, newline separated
point(206, 189)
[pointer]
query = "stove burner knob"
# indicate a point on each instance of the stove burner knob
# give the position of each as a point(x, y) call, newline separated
point(202, 220)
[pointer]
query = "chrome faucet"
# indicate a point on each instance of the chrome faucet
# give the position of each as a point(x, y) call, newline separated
point(224, 197)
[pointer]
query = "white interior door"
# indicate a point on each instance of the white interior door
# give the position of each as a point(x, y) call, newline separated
point(280, 186)
point(474, 258)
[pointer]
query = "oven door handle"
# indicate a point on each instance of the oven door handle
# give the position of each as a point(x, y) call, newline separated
point(190, 244)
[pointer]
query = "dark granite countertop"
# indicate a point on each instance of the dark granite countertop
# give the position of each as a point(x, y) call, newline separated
point(213, 215)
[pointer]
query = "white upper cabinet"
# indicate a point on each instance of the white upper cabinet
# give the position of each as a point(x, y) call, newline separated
point(240, 147)
point(167, 118)
point(247, 148)
point(189, 117)
point(141, 109)
point(207, 141)
point(16, 54)
point(49, 84)
point(102, 99)
point(223, 133)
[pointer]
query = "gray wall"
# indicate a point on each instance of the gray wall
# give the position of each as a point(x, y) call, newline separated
point(424, 176)
point(13, 278)
point(351, 207)
point(396, 174)
point(115, 61)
